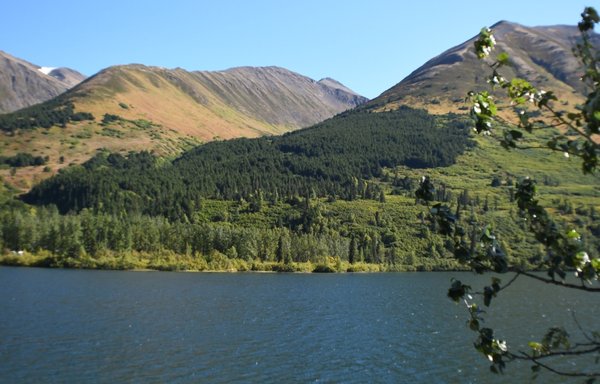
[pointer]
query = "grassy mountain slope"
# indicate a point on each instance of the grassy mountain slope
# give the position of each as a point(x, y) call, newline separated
point(239, 102)
point(168, 111)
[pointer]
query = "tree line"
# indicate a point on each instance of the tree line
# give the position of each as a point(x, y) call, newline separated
point(23, 159)
point(44, 115)
point(303, 237)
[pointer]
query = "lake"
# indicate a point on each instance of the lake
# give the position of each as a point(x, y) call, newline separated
point(67, 326)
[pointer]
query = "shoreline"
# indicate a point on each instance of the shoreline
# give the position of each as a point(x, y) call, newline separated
point(230, 266)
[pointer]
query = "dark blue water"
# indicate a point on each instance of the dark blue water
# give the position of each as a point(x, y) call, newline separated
point(67, 326)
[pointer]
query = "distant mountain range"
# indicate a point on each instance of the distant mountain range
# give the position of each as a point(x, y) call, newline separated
point(23, 84)
point(542, 55)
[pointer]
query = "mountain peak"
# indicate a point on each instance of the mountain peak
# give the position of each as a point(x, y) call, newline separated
point(67, 76)
point(542, 55)
point(332, 83)
point(504, 23)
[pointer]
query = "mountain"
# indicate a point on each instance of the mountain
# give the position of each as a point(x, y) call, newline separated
point(542, 55)
point(23, 84)
point(136, 107)
point(67, 76)
point(170, 110)
point(238, 102)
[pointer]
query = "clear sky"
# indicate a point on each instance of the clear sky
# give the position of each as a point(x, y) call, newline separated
point(368, 45)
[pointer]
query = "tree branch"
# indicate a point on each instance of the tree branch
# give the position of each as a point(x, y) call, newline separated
point(591, 340)
point(526, 356)
point(504, 286)
point(535, 360)
point(581, 133)
point(559, 283)
point(563, 373)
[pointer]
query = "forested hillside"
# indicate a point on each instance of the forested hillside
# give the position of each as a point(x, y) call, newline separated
point(340, 158)
point(337, 197)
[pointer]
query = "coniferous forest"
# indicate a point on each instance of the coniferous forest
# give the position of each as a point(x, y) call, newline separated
point(44, 115)
point(340, 158)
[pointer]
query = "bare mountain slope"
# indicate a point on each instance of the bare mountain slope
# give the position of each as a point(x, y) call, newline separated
point(23, 84)
point(543, 55)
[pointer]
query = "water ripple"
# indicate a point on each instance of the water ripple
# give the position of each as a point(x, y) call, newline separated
point(105, 327)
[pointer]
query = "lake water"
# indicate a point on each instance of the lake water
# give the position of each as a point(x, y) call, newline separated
point(71, 326)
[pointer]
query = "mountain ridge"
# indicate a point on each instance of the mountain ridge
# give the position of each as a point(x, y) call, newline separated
point(542, 54)
point(247, 101)
point(137, 107)
point(23, 84)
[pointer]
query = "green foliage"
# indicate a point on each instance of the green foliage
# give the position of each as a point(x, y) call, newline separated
point(22, 159)
point(91, 240)
point(109, 118)
point(426, 190)
point(564, 248)
point(44, 115)
point(341, 157)
point(577, 127)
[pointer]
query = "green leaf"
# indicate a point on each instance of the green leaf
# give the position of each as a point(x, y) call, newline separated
point(502, 58)
point(573, 234)
point(534, 345)
point(457, 290)
point(496, 284)
point(488, 293)
point(474, 325)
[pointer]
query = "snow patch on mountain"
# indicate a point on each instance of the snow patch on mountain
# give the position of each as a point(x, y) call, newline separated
point(46, 70)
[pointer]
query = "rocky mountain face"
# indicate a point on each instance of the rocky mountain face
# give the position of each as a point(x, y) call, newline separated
point(542, 55)
point(23, 84)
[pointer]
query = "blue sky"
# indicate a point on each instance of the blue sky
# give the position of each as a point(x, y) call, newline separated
point(368, 45)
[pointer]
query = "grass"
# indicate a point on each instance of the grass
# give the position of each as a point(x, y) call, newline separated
point(169, 261)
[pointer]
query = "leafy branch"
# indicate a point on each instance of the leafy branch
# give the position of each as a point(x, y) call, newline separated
point(576, 133)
